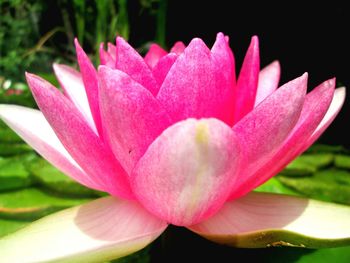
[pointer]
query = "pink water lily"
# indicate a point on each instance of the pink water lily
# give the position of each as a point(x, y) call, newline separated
point(175, 138)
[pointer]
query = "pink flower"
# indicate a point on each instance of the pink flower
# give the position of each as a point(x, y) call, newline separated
point(174, 132)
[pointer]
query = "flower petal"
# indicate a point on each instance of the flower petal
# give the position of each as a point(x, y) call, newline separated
point(315, 107)
point(225, 63)
point(79, 139)
point(112, 50)
point(73, 86)
point(133, 118)
point(247, 83)
point(153, 55)
point(130, 62)
point(102, 230)
point(334, 108)
point(185, 175)
point(33, 128)
point(195, 86)
point(89, 75)
point(106, 58)
point(268, 81)
point(260, 220)
point(163, 66)
point(178, 48)
point(265, 128)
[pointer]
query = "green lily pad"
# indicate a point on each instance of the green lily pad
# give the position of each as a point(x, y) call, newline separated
point(328, 185)
point(324, 148)
point(9, 149)
point(48, 176)
point(308, 164)
point(13, 173)
point(32, 203)
point(339, 255)
point(8, 226)
point(299, 168)
point(275, 186)
point(342, 161)
point(7, 135)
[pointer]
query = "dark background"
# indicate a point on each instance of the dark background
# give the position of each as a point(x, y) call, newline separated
point(312, 38)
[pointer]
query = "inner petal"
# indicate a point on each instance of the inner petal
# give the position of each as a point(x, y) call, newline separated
point(185, 175)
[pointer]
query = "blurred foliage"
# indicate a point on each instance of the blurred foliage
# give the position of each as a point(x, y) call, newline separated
point(34, 34)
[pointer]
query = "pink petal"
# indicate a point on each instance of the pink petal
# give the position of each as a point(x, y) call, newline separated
point(178, 48)
point(112, 50)
point(73, 86)
point(265, 128)
point(245, 91)
point(33, 128)
point(163, 66)
point(260, 220)
point(268, 81)
point(133, 118)
point(334, 108)
point(130, 62)
point(89, 76)
point(106, 58)
point(99, 231)
point(195, 87)
point(153, 55)
point(225, 62)
point(185, 175)
point(79, 139)
point(316, 104)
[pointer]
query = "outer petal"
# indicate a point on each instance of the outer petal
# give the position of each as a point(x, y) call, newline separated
point(32, 126)
point(154, 54)
point(178, 48)
point(99, 231)
point(89, 76)
point(264, 129)
point(245, 91)
point(225, 63)
point(314, 110)
point(268, 81)
point(106, 58)
point(337, 103)
point(194, 85)
point(130, 62)
point(78, 138)
point(112, 50)
point(132, 116)
point(73, 86)
point(261, 220)
point(163, 66)
point(185, 175)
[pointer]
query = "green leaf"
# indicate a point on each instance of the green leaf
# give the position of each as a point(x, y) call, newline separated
point(53, 179)
point(260, 220)
point(308, 164)
point(7, 135)
point(324, 148)
point(342, 161)
point(275, 186)
point(105, 229)
point(33, 203)
point(327, 185)
point(8, 226)
point(338, 255)
point(9, 149)
point(13, 174)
